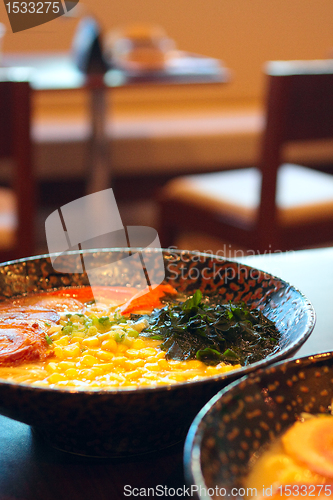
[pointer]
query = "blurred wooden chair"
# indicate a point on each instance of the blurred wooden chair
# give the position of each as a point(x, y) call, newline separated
point(275, 206)
point(17, 215)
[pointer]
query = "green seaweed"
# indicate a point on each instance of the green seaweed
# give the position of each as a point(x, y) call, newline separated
point(213, 332)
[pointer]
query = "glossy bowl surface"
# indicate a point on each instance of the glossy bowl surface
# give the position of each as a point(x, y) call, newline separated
point(129, 421)
point(254, 410)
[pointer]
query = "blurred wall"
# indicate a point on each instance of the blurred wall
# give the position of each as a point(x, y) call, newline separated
point(243, 33)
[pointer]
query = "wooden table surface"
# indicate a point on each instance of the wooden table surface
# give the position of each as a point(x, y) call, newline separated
point(57, 71)
point(29, 470)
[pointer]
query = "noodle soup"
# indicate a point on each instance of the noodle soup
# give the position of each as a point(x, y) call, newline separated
point(66, 339)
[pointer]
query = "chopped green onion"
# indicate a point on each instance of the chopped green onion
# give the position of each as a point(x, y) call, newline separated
point(48, 339)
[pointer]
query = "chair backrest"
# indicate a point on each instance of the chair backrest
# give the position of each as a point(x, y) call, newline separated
point(299, 107)
point(15, 144)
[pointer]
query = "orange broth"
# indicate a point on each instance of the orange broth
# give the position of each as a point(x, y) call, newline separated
point(299, 463)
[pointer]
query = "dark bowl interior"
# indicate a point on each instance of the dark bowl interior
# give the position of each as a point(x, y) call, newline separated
point(129, 421)
point(253, 410)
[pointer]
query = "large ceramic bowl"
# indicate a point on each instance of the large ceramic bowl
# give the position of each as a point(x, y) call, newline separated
point(130, 421)
point(229, 433)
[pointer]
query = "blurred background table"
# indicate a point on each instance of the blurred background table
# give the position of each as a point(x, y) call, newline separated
point(57, 71)
point(29, 470)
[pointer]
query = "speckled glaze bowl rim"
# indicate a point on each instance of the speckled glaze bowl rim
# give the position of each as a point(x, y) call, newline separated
point(193, 441)
point(240, 372)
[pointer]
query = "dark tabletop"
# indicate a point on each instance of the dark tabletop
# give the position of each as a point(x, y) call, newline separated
point(30, 470)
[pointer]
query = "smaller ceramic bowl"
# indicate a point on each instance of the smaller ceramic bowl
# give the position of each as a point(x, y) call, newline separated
point(233, 428)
